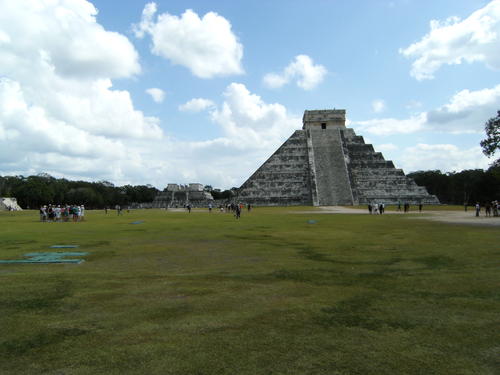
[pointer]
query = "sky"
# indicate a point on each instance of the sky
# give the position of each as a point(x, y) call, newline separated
point(175, 91)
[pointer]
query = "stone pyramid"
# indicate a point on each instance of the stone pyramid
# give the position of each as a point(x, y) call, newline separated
point(327, 164)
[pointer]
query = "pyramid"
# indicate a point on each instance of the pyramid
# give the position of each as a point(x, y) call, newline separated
point(327, 164)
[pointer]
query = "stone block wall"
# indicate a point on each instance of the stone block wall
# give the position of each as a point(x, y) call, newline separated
point(283, 179)
point(376, 180)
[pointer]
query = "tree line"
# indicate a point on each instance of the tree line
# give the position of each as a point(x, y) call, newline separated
point(33, 191)
point(465, 187)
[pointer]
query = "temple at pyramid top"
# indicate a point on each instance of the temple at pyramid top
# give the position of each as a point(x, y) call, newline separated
point(325, 163)
point(324, 117)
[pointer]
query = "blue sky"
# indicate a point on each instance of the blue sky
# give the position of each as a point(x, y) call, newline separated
point(205, 91)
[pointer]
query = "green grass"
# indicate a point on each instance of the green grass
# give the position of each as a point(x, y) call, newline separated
point(269, 294)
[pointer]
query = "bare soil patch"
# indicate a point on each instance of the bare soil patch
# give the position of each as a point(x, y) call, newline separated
point(454, 217)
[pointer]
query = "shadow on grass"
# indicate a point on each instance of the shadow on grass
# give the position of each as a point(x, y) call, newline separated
point(15, 244)
point(435, 261)
point(361, 312)
point(20, 346)
point(48, 298)
point(310, 254)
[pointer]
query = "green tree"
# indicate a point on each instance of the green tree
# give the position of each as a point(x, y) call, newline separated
point(491, 144)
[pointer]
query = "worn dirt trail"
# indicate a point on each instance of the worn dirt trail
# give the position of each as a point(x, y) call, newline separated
point(454, 217)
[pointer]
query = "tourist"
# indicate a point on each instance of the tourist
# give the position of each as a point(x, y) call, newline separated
point(58, 212)
point(237, 213)
point(370, 208)
point(478, 209)
point(82, 213)
point(74, 212)
point(210, 208)
point(188, 206)
point(43, 213)
point(420, 207)
point(65, 214)
point(50, 213)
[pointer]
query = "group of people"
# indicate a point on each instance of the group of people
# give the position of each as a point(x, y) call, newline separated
point(490, 209)
point(237, 208)
point(374, 208)
point(406, 207)
point(62, 213)
point(234, 208)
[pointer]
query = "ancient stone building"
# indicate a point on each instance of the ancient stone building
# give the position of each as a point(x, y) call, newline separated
point(180, 195)
point(327, 164)
point(9, 204)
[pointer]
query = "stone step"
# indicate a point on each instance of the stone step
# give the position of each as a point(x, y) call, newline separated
point(400, 185)
point(360, 147)
point(394, 201)
point(371, 164)
point(366, 157)
point(331, 174)
point(375, 173)
point(389, 192)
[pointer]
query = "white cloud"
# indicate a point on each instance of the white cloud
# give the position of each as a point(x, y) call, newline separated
point(157, 94)
point(446, 157)
point(59, 111)
point(388, 126)
point(206, 46)
point(378, 106)
point(246, 119)
point(474, 39)
point(196, 105)
point(146, 24)
point(65, 36)
point(466, 112)
point(302, 70)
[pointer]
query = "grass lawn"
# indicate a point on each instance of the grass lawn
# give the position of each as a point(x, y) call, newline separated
point(271, 293)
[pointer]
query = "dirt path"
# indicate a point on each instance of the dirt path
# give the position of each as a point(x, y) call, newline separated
point(455, 217)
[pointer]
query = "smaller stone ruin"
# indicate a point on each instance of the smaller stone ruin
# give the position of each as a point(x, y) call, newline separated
point(181, 195)
point(9, 204)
